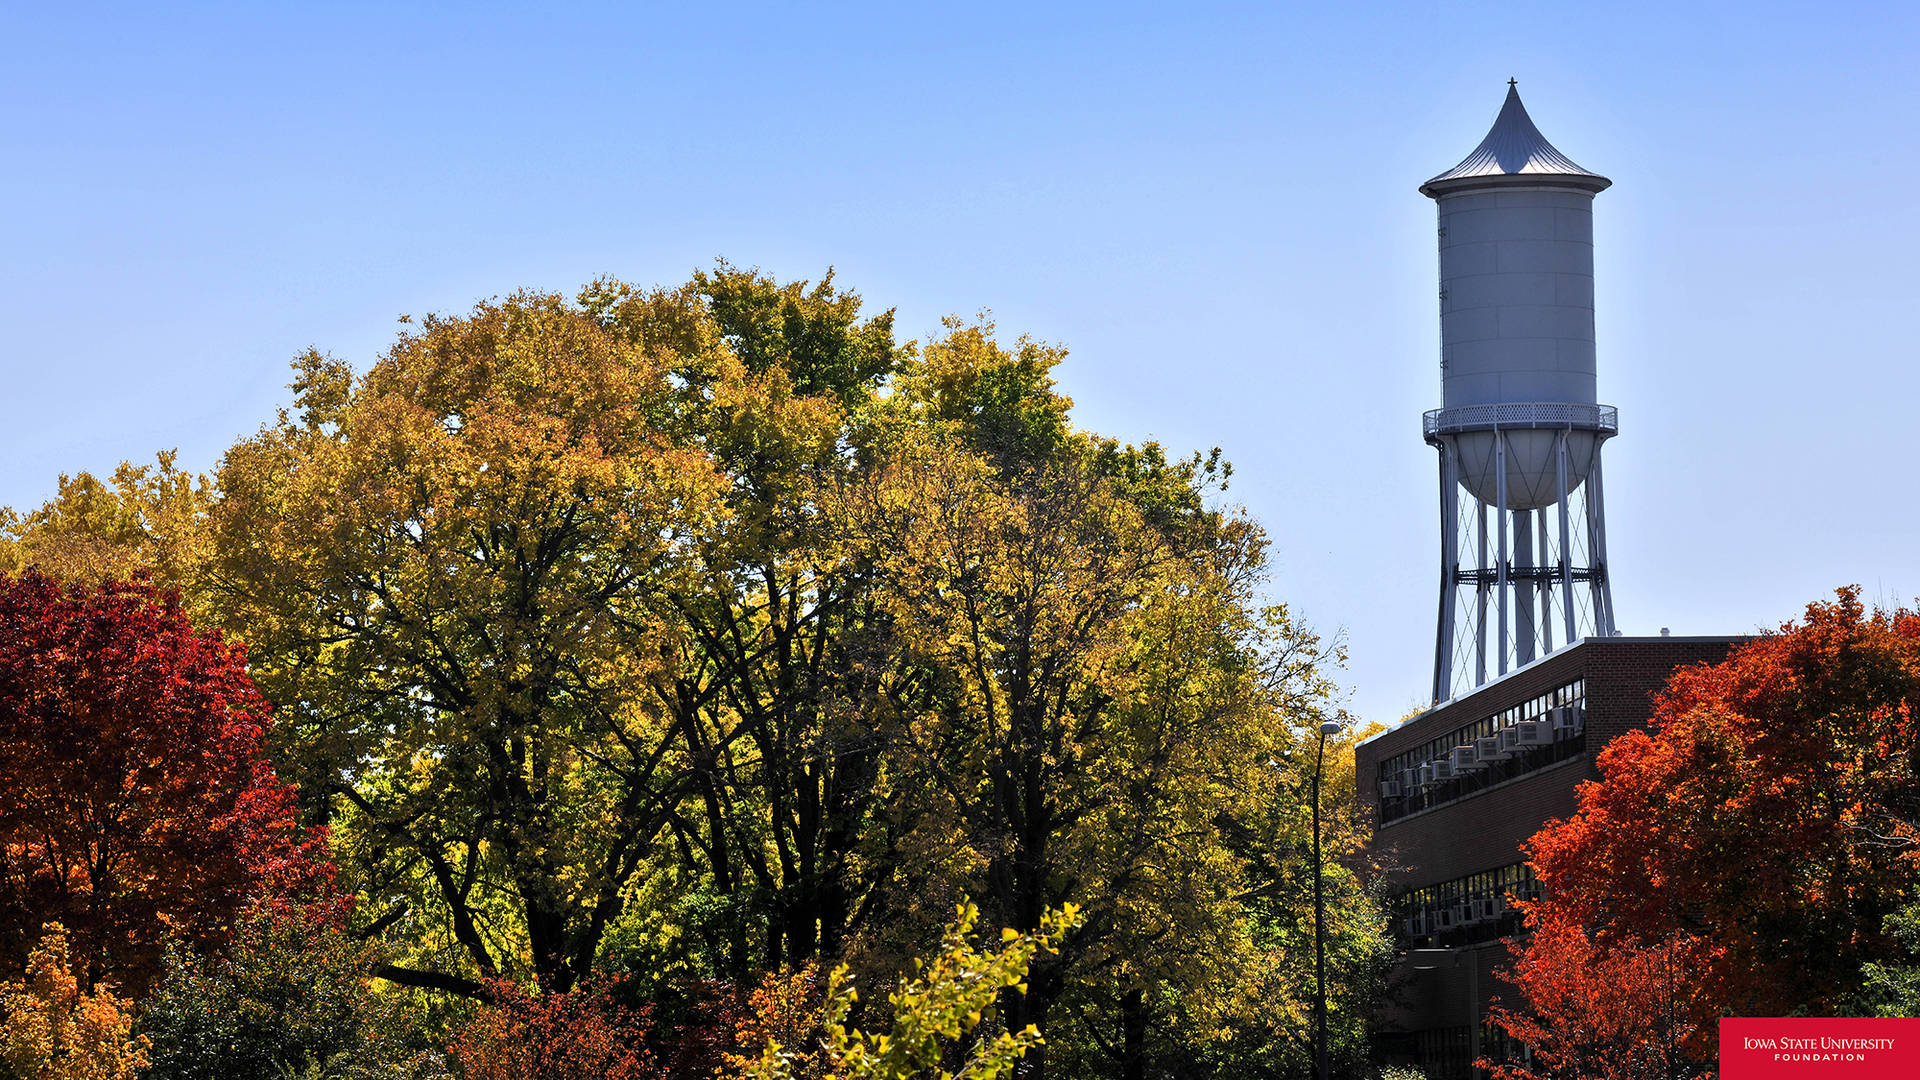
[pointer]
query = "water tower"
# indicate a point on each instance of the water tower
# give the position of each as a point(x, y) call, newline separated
point(1523, 539)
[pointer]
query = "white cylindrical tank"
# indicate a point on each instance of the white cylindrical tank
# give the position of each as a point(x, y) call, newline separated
point(1516, 296)
point(1516, 310)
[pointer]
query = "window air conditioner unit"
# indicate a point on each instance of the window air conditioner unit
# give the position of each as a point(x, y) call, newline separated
point(1466, 759)
point(1488, 749)
point(1423, 775)
point(1416, 925)
point(1442, 919)
point(1409, 779)
point(1466, 913)
point(1389, 789)
point(1568, 722)
point(1443, 770)
point(1530, 733)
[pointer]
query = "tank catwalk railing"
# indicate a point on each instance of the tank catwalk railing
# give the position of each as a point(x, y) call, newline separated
point(1521, 414)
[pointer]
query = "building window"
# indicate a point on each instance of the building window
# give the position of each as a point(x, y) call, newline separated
point(1519, 739)
point(1465, 911)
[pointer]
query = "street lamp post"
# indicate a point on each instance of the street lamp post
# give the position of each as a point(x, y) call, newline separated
point(1327, 727)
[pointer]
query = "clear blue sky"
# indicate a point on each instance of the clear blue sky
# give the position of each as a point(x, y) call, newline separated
point(1213, 207)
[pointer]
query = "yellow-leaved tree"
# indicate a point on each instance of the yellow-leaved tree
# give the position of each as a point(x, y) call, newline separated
point(454, 574)
point(52, 1030)
point(144, 518)
point(948, 998)
point(788, 769)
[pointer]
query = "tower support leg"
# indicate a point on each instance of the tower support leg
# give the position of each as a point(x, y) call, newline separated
point(1523, 590)
point(1566, 540)
point(1481, 588)
point(1544, 587)
point(1603, 625)
point(1500, 522)
point(1449, 569)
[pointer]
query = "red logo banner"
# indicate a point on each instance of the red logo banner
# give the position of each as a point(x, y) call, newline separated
point(1811, 1048)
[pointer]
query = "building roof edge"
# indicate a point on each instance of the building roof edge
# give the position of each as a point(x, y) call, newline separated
point(1565, 650)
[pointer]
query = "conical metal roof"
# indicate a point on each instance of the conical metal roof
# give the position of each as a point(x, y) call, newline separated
point(1513, 152)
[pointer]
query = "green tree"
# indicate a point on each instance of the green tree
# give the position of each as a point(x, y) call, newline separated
point(289, 996)
point(1892, 984)
point(1085, 695)
point(764, 686)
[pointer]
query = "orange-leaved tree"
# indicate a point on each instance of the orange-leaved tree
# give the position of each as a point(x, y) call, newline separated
point(1742, 855)
point(139, 802)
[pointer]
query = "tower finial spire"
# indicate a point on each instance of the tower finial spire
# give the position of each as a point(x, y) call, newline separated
point(1514, 152)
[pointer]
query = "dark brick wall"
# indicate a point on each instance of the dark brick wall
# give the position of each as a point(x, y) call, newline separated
point(1624, 674)
point(1451, 995)
point(1480, 832)
point(1485, 830)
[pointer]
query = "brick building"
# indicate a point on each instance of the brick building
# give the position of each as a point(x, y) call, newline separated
point(1455, 791)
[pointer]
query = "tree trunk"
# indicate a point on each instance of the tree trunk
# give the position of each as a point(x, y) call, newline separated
point(1133, 1036)
point(1019, 1010)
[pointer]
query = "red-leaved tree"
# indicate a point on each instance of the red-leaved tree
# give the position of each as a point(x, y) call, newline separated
point(1739, 858)
point(136, 800)
point(580, 1034)
point(1616, 1011)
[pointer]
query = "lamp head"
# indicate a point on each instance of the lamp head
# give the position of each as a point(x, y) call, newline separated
point(1329, 727)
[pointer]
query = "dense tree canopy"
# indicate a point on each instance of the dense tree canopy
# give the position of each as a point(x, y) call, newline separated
point(451, 573)
point(1094, 721)
point(692, 634)
point(288, 994)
